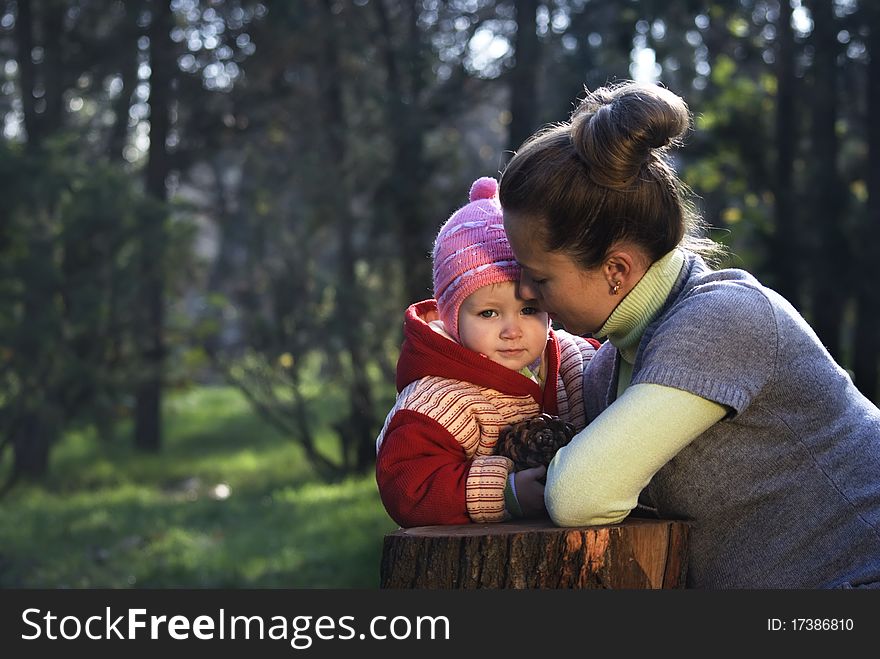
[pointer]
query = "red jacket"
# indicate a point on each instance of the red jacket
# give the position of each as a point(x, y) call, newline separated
point(436, 462)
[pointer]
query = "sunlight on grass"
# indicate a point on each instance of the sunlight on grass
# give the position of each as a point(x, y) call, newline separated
point(229, 502)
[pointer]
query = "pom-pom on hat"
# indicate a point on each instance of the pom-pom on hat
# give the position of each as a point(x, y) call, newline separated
point(471, 251)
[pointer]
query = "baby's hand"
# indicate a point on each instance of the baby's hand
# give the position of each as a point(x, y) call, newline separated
point(530, 491)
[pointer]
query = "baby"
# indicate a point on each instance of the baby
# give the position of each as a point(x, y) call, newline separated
point(475, 358)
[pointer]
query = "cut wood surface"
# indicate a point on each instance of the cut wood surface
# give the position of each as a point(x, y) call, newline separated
point(637, 553)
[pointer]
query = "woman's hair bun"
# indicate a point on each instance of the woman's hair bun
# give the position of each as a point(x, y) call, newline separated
point(485, 187)
point(616, 130)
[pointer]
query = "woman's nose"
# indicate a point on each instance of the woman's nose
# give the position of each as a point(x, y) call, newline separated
point(525, 288)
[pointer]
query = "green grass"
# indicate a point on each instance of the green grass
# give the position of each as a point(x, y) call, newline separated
point(108, 517)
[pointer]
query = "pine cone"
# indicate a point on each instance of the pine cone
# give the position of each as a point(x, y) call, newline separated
point(533, 442)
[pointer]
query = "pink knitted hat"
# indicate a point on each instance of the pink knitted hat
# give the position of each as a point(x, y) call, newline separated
point(471, 251)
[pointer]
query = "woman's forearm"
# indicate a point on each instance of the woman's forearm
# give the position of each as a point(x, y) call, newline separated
point(597, 477)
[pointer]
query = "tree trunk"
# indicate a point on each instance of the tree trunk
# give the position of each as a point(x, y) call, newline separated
point(784, 244)
point(637, 553)
point(867, 350)
point(38, 424)
point(38, 427)
point(358, 431)
point(31, 444)
point(524, 77)
point(24, 37)
point(44, 115)
point(128, 66)
point(53, 30)
point(830, 254)
point(405, 121)
point(148, 403)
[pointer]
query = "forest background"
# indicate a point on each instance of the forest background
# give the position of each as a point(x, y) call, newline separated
point(215, 211)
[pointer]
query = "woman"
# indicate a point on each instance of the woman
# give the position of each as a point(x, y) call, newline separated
point(712, 400)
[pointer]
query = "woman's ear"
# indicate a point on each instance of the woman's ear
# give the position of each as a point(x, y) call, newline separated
point(622, 268)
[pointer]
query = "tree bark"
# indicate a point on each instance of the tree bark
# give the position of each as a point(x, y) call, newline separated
point(635, 554)
point(31, 444)
point(524, 77)
point(39, 425)
point(358, 430)
point(128, 66)
point(866, 349)
point(785, 240)
point(24, 37)
point(148, 403)
point(830, 253)
point(405, 120)
point(53, 58)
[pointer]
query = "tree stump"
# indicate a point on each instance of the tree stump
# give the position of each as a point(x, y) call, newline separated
point(637, 553)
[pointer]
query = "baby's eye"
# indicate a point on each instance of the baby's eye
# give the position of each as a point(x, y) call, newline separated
point(530, 311)
point(488, 313)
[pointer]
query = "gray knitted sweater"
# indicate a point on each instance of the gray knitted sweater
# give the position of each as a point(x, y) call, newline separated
point(784, 492)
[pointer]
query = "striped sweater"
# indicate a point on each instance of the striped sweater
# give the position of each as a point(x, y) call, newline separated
point(435, 454)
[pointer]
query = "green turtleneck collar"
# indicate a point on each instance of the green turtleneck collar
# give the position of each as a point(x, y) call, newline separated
point(641, 305)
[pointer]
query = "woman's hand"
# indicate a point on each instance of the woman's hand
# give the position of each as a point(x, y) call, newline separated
point(530, 491)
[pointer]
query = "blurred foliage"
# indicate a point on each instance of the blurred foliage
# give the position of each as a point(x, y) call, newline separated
point(68, 286)
point(314, 149)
